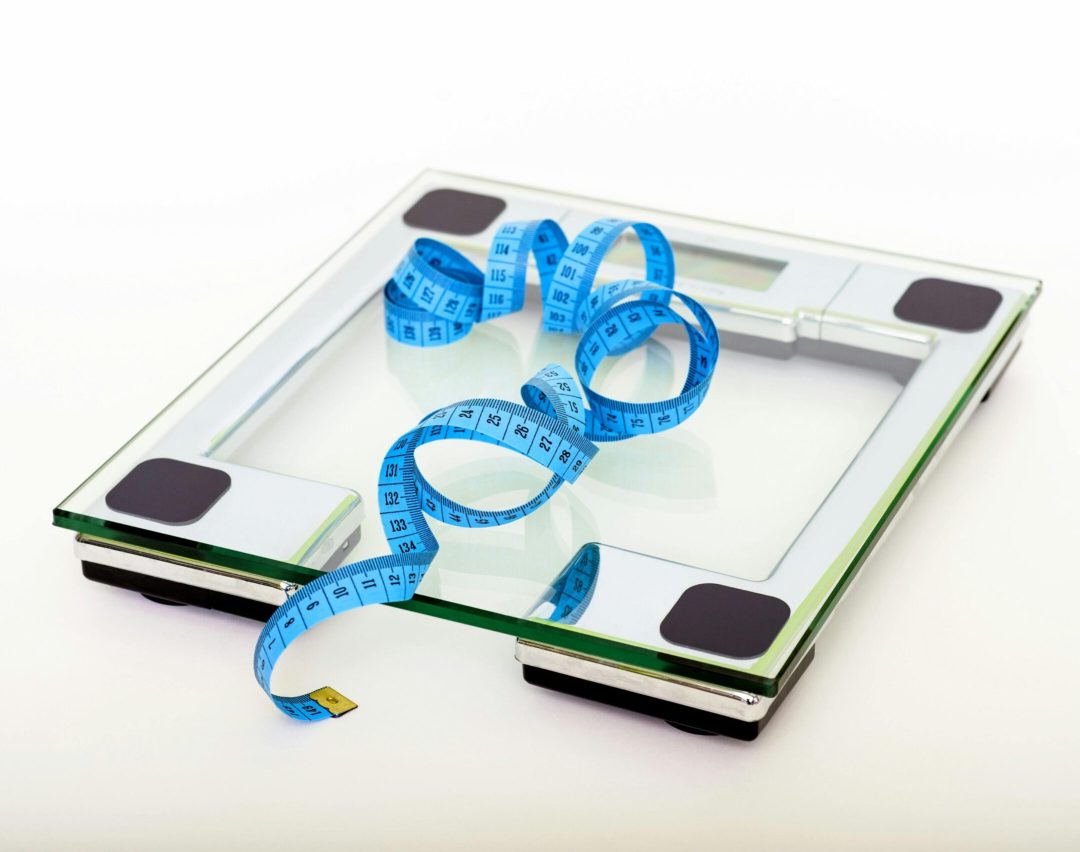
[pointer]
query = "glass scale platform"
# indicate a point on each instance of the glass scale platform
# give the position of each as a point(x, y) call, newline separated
point(707, 558)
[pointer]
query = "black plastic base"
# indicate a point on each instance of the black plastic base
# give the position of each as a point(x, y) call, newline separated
point(688, 719)
point(170, 592)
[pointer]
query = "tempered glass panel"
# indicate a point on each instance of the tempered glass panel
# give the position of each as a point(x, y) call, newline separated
point(795, 459)
point(728, 491)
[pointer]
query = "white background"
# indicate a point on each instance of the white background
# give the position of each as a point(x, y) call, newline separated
point(167, 174)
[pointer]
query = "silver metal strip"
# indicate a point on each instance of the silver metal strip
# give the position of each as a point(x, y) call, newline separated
point(199, 575)
point(733, 703)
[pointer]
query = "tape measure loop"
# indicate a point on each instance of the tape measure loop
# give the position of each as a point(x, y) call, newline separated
point(572, 283)
point(615, 420)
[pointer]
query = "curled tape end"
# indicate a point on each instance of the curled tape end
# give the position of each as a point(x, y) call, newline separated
point(332, 701)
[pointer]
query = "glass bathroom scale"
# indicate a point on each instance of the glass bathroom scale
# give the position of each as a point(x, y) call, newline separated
point(686, 574)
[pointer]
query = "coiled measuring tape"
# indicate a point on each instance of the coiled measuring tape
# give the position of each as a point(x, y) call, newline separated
point(433, 299)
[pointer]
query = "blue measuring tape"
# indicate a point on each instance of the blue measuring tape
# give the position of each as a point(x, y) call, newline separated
point(434, 298)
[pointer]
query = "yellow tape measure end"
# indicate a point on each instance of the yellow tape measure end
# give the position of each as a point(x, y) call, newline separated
point(333, 701)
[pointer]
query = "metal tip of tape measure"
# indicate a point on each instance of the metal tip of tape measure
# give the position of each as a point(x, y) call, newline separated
point(332, 701)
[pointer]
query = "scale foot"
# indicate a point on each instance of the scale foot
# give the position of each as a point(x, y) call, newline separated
point(686, 729)
point(163, 601)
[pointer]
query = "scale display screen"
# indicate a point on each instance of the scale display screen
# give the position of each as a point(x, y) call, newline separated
point(706, 264)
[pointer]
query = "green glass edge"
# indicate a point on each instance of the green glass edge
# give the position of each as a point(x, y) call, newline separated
point(618, 651)
point(834, 582)
point(258, 565)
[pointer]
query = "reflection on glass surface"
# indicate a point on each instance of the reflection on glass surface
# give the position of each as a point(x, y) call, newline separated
point(572, 590)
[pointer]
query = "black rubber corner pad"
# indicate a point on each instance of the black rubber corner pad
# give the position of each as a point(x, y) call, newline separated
point(168, 491)
point(948, 304)
point(726, 621)
point(452, 211)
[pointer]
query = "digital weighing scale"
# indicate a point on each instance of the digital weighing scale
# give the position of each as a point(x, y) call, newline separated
point(685, 574)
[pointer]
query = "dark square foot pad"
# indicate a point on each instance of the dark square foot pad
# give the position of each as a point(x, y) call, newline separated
point(452, 211)
point(168, 491)
point(948, 304)
point(726, 621)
